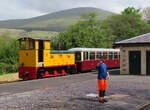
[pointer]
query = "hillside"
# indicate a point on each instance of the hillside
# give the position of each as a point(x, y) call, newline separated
point(17, 33)
point(57, 21)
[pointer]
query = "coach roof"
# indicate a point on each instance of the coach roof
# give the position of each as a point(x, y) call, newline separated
point(92, 49)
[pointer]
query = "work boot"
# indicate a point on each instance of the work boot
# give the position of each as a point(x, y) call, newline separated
point(100, 100)
point(105, 100)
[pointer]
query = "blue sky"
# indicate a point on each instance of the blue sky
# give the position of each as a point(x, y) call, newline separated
point(19, 9)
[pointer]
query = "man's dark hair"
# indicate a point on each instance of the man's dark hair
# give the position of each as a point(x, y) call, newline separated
point(102, 61)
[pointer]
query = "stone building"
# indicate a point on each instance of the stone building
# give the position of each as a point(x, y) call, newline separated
point(135, 55)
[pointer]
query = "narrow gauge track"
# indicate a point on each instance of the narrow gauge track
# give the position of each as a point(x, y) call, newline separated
point(29, 85)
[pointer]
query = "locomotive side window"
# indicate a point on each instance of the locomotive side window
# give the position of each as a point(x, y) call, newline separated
point(31, 44)
point(99, 55)
point(115, 55)
point(85, 57)
point(110, 55)
point(22, 44)
point(92, 56)
point(105, 55)
point(78, 56)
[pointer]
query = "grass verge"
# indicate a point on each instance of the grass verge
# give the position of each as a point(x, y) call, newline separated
point(8, 78)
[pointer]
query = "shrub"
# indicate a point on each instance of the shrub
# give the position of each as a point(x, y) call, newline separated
point(8, 55)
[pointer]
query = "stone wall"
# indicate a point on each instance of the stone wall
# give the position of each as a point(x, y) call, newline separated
point(124, 58)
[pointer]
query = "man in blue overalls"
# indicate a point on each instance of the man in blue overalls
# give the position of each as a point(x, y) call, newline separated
point(103, 75)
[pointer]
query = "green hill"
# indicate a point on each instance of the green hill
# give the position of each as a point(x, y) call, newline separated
point(57, 21)
point(17, 33)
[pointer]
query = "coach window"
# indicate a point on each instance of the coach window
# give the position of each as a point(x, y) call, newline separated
point(105, 55)
point(31, 44)
point(85, 56)
point(78, 56)
point(99, 55)
point(115, 55)
point(110, 55)
point(92, 56)
point(22, 44)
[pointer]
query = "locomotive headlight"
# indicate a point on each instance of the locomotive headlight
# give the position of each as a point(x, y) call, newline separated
point(26, 72)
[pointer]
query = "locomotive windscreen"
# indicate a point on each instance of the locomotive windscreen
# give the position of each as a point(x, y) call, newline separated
point(41, 47)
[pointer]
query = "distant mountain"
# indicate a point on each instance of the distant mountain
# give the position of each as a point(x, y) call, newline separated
point(57, 21)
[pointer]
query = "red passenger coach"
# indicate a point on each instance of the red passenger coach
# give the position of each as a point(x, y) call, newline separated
point(87, 58)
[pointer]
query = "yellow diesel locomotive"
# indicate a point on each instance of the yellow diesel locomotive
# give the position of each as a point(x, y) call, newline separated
point(37, 60)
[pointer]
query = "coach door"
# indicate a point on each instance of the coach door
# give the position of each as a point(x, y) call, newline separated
point(41, 47)
point(148, 62)
point(135, 62)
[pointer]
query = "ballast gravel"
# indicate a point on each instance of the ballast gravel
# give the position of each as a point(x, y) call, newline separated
point(124, 93)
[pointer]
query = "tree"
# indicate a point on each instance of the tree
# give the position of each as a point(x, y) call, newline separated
point(131, 11)
point(127, 24)
point(146, 14)
point(87, 32)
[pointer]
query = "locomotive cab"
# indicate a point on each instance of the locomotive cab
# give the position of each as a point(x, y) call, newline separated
point(31, 56)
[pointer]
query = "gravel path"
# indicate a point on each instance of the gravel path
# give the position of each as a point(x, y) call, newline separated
point(124, 93)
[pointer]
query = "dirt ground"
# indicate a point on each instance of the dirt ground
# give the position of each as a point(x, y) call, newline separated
point(124, 92)
point(8, 78)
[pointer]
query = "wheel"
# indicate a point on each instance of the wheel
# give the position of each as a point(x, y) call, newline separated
point(40, 73)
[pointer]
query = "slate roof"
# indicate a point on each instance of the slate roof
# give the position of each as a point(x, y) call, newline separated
point(145, 38)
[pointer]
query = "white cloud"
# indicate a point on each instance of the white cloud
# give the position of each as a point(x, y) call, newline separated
point(18, 9)
point(11, 10)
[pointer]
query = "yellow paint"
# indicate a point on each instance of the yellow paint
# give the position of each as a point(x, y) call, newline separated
point(27, 44)
point(47, 45)
point(36, 44)
point(28, 58)
point(58, 59)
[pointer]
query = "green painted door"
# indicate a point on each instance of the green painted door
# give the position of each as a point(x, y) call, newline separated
point(135, 62)
point(148, 62)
